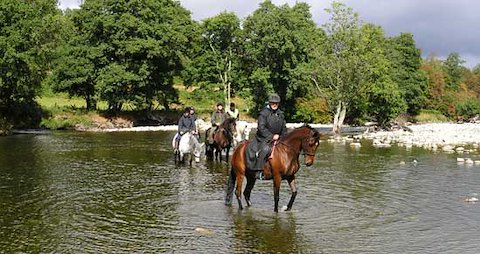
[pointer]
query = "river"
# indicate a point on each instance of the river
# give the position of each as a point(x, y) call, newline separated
point(75, 192)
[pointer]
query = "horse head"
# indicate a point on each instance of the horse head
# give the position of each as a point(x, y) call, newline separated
point(197, 150)
point(310, 144)
point(243, 131)
point(230, 127)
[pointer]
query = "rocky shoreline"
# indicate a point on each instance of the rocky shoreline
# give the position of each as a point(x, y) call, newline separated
point(448, 137)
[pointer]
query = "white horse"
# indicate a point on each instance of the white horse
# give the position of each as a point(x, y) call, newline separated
point(242, 132)
point(188, 145)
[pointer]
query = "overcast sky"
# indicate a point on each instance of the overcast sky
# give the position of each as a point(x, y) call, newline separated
point(439, 27)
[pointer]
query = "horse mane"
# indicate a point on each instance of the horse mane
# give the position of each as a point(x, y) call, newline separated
point(293, 133)
point(228, 121)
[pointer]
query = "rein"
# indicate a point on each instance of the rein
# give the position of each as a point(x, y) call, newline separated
point(289, 146)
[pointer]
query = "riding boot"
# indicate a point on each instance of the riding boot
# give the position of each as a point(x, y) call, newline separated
point(177, 143)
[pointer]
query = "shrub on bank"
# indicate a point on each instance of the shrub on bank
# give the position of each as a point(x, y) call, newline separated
point(65, 121)
point(430, 116)
point(312, 111)
point(468, 109)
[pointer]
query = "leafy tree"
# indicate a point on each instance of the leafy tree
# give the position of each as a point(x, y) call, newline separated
point(472, 80)
point(218, 56)
point(340, 65)
point(436, 84)
point(134, 47)
point(453, 67)
point(406, 62)
point(277, 41)
point(27, 42)
point(74, 70)
point(476, 69)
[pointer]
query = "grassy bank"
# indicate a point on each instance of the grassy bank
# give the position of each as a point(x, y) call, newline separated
point(63, 112)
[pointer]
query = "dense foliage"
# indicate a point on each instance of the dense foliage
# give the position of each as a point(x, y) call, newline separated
point(129, 52)
point(28, 36)
point(126, 52)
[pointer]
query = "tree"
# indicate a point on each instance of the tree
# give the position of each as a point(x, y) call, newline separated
point(453, 67)
point(436, 86)
point(277, 41)
point(27, 42)
point(134, 47)
point(74, 70)
point(218, 55)
point(351, 69)
point(406, 73)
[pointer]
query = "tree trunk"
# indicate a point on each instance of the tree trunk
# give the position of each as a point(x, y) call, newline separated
point(339, 117)
point(91, 103)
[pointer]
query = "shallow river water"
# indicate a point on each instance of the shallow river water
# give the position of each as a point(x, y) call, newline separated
point(71, 192)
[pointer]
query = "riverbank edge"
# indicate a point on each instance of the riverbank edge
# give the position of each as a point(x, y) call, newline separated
point(446, 136)
point(432, 136)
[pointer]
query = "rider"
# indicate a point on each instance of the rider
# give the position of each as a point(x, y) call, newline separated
point(193, 117)
point(271, 125)
point(185, 124)
point(218, 116)
point(232, 112)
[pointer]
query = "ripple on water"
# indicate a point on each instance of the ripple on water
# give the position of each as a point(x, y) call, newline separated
point(91, 193)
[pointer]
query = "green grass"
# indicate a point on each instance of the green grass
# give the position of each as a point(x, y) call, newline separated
point(64, 112)
point(430, 116)
point(61, 101)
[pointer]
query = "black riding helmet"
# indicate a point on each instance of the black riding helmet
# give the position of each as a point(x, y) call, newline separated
point(274, 98)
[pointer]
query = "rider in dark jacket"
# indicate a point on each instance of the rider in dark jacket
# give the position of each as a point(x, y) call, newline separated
point(185, 124)
point(271, 126)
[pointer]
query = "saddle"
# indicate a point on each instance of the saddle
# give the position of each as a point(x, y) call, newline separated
point(256, 155)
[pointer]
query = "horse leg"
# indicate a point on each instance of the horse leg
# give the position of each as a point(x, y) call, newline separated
point(293, 188)
point(248, 189)
point(238, 191)
point(226, 156)
point(230, 187)
point(277, 179)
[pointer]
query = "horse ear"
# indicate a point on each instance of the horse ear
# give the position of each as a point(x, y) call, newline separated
point(202, 144)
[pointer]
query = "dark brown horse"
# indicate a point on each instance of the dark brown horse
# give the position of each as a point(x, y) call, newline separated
point(282, 164)
point(222, 140)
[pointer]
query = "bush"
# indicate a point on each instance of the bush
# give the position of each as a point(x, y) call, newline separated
point(64, 121)
point(430, 116)
point(5, 126)
point(467, 109)
point(204, 98)
point(312, 111)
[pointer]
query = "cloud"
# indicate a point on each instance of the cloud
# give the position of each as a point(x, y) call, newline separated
point(439, 27)
point(69, 4)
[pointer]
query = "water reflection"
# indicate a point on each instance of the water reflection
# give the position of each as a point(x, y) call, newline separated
point(122, 192)
point(257, 230)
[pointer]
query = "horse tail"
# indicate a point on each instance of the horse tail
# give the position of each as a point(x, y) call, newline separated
point(230, 186)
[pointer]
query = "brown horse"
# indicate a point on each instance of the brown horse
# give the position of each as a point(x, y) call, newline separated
point(282, 164)
point(222, 140)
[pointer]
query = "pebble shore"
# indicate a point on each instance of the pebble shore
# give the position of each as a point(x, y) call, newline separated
point(447, 137)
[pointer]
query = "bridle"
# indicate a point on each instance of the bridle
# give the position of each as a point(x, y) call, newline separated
point(303, 152)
